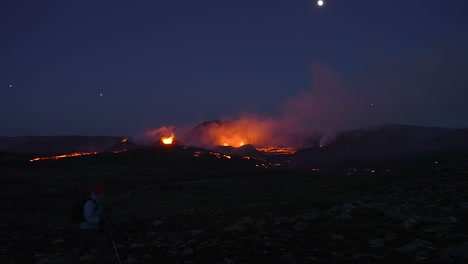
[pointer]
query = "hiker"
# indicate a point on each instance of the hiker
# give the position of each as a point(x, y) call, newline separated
point(91, 227)
point(93, 211)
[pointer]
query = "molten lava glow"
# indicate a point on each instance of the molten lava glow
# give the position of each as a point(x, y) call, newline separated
point(64, 156)
point(219, 155)
point(124, 140)
point(233, 142)
point(168, 140)
point(246, 130)
point(278, 151)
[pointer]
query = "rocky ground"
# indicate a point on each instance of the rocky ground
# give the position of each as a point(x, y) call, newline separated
point(241, 216)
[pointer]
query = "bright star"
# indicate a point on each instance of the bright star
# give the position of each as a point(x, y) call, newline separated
point(320, 3)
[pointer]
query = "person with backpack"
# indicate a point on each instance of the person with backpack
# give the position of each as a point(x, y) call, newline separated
point(91, 225)
point(93, 211)
point(88, 216)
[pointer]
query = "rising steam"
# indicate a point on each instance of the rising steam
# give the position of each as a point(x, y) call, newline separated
point(306, 120)
point(402, 89)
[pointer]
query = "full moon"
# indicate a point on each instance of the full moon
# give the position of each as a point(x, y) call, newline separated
point(320, 3)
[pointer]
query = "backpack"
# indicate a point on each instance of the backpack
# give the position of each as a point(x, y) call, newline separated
point(78, 209)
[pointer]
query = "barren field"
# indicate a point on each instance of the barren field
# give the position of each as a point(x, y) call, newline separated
point(232, 216)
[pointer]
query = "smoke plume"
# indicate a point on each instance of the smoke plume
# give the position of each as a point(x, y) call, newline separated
point(406, 89)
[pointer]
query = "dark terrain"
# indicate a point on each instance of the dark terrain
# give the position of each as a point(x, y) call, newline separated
point(168, 206)
point(242, 216)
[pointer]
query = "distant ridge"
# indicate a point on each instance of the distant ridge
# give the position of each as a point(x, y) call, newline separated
point(383, 143)
point(400, 138)
point(51, 145)
point(358, 143)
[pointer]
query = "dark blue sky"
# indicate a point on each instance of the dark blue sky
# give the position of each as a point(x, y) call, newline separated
point(157, 63)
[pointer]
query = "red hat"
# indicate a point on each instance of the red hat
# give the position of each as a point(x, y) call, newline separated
point(98, 190)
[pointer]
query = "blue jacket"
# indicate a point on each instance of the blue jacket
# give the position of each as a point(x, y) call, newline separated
point(92, 213)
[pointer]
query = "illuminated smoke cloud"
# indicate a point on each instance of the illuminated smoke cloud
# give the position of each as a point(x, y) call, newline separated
point(153, 135)
point(396, 89)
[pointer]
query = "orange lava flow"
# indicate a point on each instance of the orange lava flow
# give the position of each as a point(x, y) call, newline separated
point(278, 151)
point(64, 156)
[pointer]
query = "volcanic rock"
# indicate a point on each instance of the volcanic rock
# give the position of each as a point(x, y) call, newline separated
point(337, 237)
point(157, 222)
point(135, 245)
point(58, 241)
point(197, 232)
point(457, 252)
point(129, 261)
point(300, 226)
point(235, 228)
point(310, 216)
point(414, 245)
point(242, 151)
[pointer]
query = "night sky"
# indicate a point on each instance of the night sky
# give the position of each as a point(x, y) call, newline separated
point(119, 67)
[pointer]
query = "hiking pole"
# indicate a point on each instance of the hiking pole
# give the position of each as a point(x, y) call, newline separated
point(116, 251)
point(115, 247)
point(113, 242)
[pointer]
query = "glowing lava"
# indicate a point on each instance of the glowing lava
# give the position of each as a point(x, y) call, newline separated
point(64, 156)
point(240, 144)
point(124, 143)
point(168, 140)
point(278, 151)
